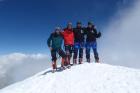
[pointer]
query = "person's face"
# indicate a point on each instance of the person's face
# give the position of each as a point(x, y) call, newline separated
point(89, 25)
point(69, 26)
point(79, 25)
point(57, 31)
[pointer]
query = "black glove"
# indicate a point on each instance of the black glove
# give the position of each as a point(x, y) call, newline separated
point(99, 35)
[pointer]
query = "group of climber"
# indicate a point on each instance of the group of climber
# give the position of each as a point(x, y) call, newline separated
point(75, 41)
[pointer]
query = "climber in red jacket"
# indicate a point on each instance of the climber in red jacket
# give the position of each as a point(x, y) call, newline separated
point(68, 36)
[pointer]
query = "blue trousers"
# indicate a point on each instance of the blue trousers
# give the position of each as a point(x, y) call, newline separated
point(78, 47)
point(93, 46)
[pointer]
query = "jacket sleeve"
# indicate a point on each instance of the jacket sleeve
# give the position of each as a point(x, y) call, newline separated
point(85, 30)
point(49, 41)
point(74, 30)
point(62, 34)
point(97, 34)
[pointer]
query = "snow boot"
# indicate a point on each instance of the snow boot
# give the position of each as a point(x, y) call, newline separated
point(88, 60)
point(63, 63)
point(97, 61)
point(54, 66)
point(74, 61)
point(67, 61)
point(80, 60)
point(69, 66)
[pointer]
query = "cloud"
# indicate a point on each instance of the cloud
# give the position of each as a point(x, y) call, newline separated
point(18, 66)
point(120, 42)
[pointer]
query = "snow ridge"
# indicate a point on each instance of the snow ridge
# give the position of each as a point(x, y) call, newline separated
point(85, 78)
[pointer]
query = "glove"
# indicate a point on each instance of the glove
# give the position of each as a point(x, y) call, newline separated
point(99, 35)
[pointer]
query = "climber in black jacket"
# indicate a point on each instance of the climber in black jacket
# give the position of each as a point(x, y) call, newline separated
point(91, 35)
point(79, 40)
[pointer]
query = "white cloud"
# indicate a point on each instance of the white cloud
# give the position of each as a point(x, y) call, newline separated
point(120, 42)
point(17, 66)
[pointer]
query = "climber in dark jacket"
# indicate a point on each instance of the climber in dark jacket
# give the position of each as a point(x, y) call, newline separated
point(54, 43)
point(79, 40)
point(91, 35)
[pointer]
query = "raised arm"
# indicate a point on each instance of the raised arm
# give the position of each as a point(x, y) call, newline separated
point(97, 34)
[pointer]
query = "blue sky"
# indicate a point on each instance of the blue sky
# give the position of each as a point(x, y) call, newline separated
point(26, 24)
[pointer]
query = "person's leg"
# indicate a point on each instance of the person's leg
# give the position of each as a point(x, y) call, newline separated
point(71, 49)
point(53, 54)
point(63, 55)
point(67, 49)
point(76, 46)
point(81, 52)
point(88, 52)
point(94, 47)
point(80, 55)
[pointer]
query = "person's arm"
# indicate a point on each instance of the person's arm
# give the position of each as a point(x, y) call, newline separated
point(62, 33)
point(85, 30)
point(97, 34)
point(73, 29)
point(49, 42)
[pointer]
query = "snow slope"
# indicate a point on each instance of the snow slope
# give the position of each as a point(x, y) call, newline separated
point(85, 78)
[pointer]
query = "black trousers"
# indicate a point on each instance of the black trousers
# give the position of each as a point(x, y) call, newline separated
point(69, 50)
point(59, 51)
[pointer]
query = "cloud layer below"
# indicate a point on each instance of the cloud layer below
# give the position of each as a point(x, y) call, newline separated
point(17, 66)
